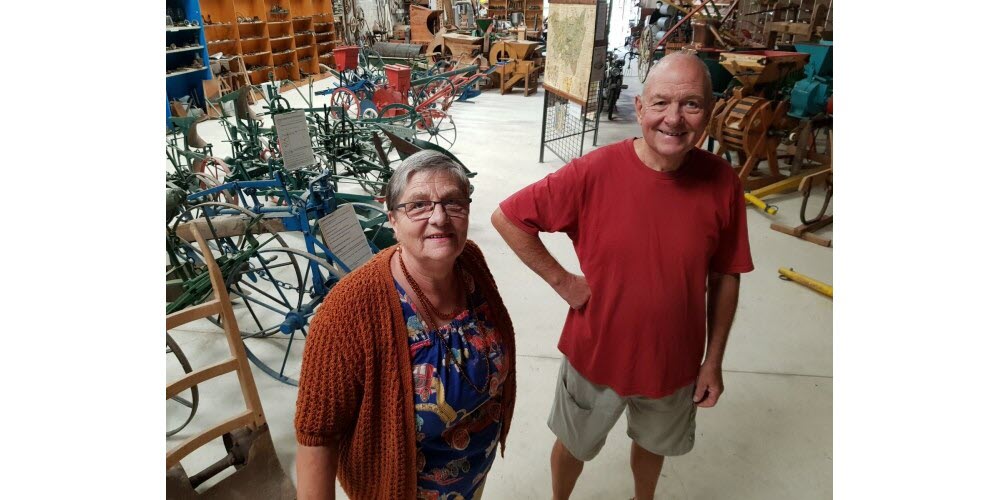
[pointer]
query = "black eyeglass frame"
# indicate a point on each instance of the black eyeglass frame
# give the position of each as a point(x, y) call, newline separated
point(434, 204)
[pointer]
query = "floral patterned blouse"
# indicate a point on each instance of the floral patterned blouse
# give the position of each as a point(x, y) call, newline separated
point(458, 427)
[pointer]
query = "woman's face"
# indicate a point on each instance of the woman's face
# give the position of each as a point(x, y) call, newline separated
point(441, 237)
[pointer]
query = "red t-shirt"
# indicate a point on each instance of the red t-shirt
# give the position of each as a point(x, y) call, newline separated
point(646, 241)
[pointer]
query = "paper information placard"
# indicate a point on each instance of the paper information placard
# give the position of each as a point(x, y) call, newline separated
point(293, 136)
point(344, 237)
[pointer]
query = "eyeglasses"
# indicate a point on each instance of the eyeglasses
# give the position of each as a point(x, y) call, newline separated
point(422, 210)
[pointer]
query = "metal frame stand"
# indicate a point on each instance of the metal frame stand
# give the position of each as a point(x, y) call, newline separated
point(565, 123)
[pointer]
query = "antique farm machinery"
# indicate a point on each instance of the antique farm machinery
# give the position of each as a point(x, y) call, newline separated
point(279, 259)
point(774, 106)
point(283, 238)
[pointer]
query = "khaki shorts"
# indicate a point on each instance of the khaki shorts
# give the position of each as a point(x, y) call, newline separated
point(583, 414)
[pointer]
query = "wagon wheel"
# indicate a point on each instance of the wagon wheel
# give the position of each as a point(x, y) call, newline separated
point(347, 101)
point(647, 44)
point(438, 86)
point(437, 126)
point(400, 115)
point(281, 289)
point(262, 292)
point(212, 167)
point(179, 404)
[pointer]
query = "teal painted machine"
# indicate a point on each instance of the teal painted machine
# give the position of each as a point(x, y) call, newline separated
point(810, 95)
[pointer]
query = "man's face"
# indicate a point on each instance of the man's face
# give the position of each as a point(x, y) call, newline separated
point(673, 109)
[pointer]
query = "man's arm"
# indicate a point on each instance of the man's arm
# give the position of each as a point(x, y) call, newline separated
point(723, 295)
point(316, 471)
point(529, 248)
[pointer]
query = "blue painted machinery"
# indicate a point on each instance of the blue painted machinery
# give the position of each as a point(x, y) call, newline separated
point(810, 95)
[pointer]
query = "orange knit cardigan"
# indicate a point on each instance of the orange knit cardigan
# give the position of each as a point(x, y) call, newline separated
point(356, 384)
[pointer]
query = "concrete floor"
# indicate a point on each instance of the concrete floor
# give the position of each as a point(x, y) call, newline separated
point(770, 437)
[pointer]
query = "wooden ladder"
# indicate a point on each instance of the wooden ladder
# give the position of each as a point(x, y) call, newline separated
point(248, 442)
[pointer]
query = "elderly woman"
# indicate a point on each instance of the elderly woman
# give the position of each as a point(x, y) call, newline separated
point(407, 381)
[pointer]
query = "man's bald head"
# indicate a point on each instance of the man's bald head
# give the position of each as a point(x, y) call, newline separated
point(678, 61)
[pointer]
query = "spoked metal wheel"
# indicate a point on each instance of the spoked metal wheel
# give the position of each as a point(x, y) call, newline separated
point(182, 407)
point(242, 245)
point(347, 102)
point(437, 126)
point(400, 115)
point(279, 291)
point(440, 91)
point(647, 42)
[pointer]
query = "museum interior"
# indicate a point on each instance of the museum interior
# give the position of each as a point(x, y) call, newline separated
point(285, 121)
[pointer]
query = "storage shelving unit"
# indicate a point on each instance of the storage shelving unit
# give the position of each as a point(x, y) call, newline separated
point(496, 9)
point(533, 18)
point(275, 38)
point(187, 81)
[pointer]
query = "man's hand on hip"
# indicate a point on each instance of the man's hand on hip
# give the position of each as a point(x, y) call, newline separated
point(574, 289)
point(708, 387)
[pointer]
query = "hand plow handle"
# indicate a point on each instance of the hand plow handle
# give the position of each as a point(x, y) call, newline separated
point(789, 274)
point(759, 203)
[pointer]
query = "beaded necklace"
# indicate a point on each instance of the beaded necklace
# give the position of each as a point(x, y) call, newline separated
point(436, 317)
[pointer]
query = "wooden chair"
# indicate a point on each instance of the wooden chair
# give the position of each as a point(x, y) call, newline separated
point(246, 437)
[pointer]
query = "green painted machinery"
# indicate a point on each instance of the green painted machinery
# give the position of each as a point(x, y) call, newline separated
point(809, 96)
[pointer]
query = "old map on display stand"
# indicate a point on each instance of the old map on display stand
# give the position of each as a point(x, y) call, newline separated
point(570, 48)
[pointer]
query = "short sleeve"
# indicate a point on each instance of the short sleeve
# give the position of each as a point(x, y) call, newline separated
point(733, 253)
point(330, 389)
point(550, 205)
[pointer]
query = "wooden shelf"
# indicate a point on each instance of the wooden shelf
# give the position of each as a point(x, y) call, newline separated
point(269, 42)
point(185, 49)
point(179, 73)
point(172, 29)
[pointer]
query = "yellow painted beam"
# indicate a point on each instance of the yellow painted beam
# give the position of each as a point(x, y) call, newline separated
point(802, 279)
point(759, 203)
point(786, 184)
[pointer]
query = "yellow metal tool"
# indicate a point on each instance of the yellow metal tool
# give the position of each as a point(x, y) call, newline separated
point(786, 273)
point(761, 204)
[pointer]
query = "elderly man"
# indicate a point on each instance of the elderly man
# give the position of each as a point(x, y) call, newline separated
point(660, 229)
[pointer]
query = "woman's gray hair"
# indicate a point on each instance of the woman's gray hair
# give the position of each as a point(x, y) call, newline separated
point(423, 161)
